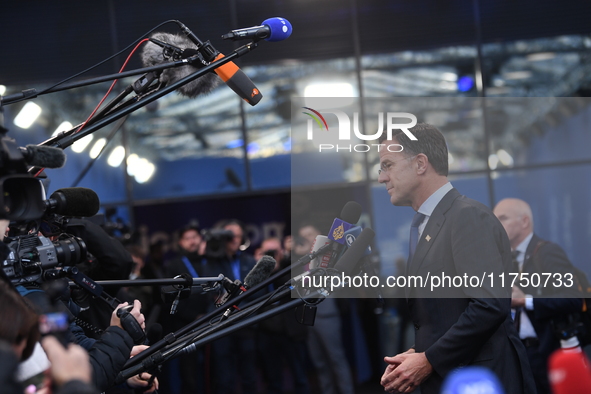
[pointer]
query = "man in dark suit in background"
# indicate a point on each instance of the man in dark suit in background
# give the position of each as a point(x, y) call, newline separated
point(456, 236)
point(537, 315)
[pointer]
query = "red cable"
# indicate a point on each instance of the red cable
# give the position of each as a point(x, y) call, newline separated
point(112, 85)
point(107, 94)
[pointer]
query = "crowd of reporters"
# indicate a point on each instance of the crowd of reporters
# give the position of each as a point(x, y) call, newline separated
point(99, 346)
point(94, 351)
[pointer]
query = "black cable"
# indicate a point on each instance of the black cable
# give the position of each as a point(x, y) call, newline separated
point(100, 63)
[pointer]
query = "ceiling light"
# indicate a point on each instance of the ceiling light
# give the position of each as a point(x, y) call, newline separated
point(27, 115)
point(505, 158)
point(452, 77)
point(97, 147)
point(116, 156)
point(446, 85)
point(493, 161)
point(144, 171)
point(517, 74)
point(82, 143)
point(132, 162)
point(536, 57)
point(2, 90)
point(64, 126)
point(331, 89)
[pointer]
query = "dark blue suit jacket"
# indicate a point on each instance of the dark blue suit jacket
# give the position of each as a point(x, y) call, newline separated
point(551, 303)
point(459, 326)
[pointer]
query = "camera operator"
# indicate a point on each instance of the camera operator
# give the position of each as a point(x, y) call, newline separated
point(224, 254)
point(108, 260)
point(113, 347)
point(109, 353)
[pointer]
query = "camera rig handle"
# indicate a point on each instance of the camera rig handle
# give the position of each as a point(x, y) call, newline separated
point(131, 325)
point(128, 321)
point(84, 282)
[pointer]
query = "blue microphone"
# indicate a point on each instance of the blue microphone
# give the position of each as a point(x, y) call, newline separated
point(470, 380)
point(272, 29)
point(351, 235)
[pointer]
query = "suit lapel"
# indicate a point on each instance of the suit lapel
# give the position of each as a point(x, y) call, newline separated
point(527, 260)
point(432, 229)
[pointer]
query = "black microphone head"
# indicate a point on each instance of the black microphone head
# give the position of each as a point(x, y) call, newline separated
point(351, 212)
point(75, 201)
point(44, 156)
point(152, 55)
point(261, 271)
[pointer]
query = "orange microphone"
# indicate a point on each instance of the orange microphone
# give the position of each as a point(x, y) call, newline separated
point(229, 72)
point(237, 80)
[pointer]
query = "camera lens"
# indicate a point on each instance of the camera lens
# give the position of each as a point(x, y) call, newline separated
point(70, 251)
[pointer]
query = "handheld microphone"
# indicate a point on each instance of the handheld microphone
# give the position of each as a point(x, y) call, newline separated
point(152, 54)
point(351, 235)
point(73, 201)
point(349, 214)
point(229, 72)
point(470, 380)
point(568, 371)
point(261, 271)
point(43, 156)
point(272, 29)
point(349, 261)
point(320, 261)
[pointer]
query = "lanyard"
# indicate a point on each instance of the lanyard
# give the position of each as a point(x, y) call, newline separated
point(190, 267)
point(236, 268)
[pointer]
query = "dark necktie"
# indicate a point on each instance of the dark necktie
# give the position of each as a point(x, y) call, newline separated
point(515, 269)
point(514, 255)
point(414, 234)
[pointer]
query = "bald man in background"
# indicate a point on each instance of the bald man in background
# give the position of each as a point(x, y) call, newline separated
point(538, 310)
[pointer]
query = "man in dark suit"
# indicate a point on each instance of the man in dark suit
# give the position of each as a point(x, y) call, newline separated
point(539, 310)
point(457, 236)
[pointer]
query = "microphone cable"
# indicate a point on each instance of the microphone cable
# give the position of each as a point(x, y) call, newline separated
point(100, 63)
point(117, 127)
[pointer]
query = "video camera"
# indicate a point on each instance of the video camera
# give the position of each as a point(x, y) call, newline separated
point(21, 195)
point(31, 255)
point(22, 201)
point(216, 241)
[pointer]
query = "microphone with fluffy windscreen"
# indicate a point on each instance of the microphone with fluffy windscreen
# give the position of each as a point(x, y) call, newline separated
point(154, 54)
